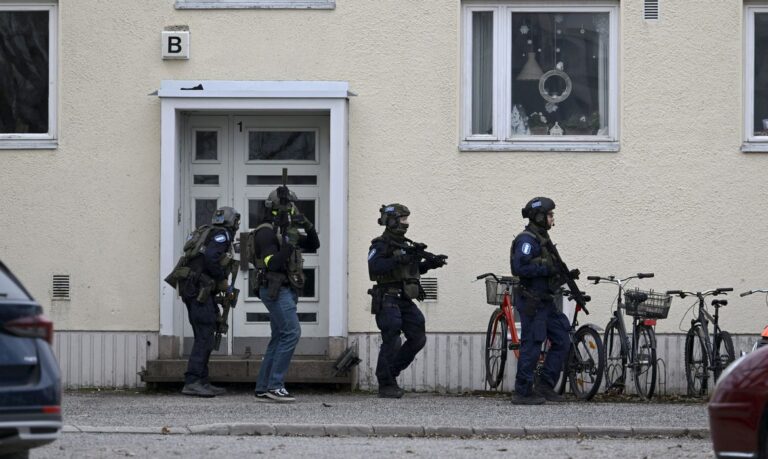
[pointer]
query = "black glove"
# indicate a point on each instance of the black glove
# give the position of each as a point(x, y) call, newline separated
point(574, 274)
point(437, 262)
point(302, 221)
point(291, 236)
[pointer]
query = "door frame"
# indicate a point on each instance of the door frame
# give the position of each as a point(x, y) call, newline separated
point(180, 96)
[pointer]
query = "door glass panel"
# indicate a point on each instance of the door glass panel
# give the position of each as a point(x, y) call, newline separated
point(204, 209)
point(264, 316)
point(278, 180)
point(206, 145)
point(281, 145)
point(206, 179)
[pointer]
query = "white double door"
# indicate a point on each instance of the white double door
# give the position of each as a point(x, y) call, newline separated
point(237, 160)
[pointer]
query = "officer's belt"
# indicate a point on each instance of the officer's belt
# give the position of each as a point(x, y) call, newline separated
point(391, 288)
point(541, 297)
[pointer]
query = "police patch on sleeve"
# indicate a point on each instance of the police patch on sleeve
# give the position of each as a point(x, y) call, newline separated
point(526, 248)
point(371, 254)
point(220, 238)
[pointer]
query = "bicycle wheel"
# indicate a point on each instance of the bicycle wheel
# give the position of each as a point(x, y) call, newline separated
point(586, 363)
point(644, 364)
point(615, 358)
point(495, 349)
point(724, 353)
point(696, 362)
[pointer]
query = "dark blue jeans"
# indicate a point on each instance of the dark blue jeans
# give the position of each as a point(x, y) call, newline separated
point(398, 315)
point(202, 317)
point(286, 332)
point(550, 323)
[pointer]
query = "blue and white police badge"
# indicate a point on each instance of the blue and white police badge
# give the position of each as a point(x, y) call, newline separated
point(526, 248)
point(371, 254)
point(220, 238)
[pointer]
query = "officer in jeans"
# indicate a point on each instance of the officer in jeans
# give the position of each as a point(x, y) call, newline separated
point(201, 273)
point(276, 253)
point(396, 267)
point(535, 299)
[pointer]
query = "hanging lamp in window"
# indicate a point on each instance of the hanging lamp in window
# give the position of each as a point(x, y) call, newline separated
point(531, 70)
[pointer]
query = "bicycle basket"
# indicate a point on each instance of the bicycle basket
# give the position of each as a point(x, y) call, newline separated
point(494, 291)
point(649, 305)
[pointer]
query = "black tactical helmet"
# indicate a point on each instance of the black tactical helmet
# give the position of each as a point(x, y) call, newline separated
point(390, 217)
point(226, 217)
point(536, 210)
point(280, 196)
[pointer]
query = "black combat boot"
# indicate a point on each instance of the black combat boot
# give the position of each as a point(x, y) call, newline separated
point(531, 399)
point(548, 392)
point(197, 389)
point(390, 391)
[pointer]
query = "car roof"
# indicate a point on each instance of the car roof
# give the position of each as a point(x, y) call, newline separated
point(10, 286)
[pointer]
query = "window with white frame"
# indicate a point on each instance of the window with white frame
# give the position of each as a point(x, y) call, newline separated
point(539, 74)
point(756, 87)
point(272, 4)
point(27, 74)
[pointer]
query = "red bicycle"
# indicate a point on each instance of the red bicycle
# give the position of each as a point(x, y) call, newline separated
point(584, 365)
point(500, 337)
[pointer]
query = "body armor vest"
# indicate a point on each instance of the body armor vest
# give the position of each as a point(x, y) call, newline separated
point(405, 275)
point(295, 266)
point(194, 246)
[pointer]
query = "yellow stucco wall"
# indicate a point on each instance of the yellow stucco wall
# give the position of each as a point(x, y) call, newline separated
point(679, 199)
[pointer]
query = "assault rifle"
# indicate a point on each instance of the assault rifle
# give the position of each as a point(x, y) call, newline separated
point(570, 278)
point(227, 300)
point(420, 250)
point(283, 194)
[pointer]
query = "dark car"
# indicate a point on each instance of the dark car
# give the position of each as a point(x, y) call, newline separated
point(738, 418)
point(30, 381)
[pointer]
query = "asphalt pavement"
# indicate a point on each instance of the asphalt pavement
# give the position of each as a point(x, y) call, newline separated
point(359, 414)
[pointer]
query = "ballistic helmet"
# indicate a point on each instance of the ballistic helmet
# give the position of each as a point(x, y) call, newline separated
point(226, 217)
point(280, 198)
point(536, 211)
point(390, 218)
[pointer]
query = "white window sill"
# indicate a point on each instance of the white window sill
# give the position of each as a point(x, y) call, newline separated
point(544, 146)
point(256, 4)
point(754, 147)
point(28, 144)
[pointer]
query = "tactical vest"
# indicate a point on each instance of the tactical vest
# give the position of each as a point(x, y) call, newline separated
point(294, 269)
point(406, 275)
point(194, 246)
point(544, 255)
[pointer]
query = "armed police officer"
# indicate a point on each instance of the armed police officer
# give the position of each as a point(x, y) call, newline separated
point(275, 248)
point(200, 274)
point(395, 263)
point(540, 282)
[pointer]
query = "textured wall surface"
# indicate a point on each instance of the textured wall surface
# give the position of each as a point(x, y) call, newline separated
point(679, 199)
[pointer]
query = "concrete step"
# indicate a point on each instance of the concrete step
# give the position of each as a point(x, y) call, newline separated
point(234, 369)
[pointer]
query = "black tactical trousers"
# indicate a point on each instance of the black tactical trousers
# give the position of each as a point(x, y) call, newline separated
point(202, 317)
point(398, 315)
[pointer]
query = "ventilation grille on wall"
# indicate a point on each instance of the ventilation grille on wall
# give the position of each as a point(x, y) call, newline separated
point(651, 10)
point(60, 287)
point(429, 284)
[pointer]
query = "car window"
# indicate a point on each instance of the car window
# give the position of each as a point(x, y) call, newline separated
point(9, 289)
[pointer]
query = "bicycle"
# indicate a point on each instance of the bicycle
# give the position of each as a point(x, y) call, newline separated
point(639, 355)
point(764, 335)
point(586, 357)
point(701, 354)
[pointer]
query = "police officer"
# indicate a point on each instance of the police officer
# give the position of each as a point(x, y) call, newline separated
point(535, 299)
point(276, 253)
point(395, 264)
point(200, 274)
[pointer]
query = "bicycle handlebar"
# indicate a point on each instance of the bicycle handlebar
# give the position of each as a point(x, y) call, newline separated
point(758, 290)
point(714, 292)
point(644, 275)
point(483, 276)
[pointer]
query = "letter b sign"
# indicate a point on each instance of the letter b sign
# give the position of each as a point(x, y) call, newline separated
point(175, 44)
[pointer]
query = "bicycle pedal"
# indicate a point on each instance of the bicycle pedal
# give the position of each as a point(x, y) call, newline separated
point(514, 346)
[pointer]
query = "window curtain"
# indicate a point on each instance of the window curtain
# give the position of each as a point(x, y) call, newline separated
point(482, 72)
